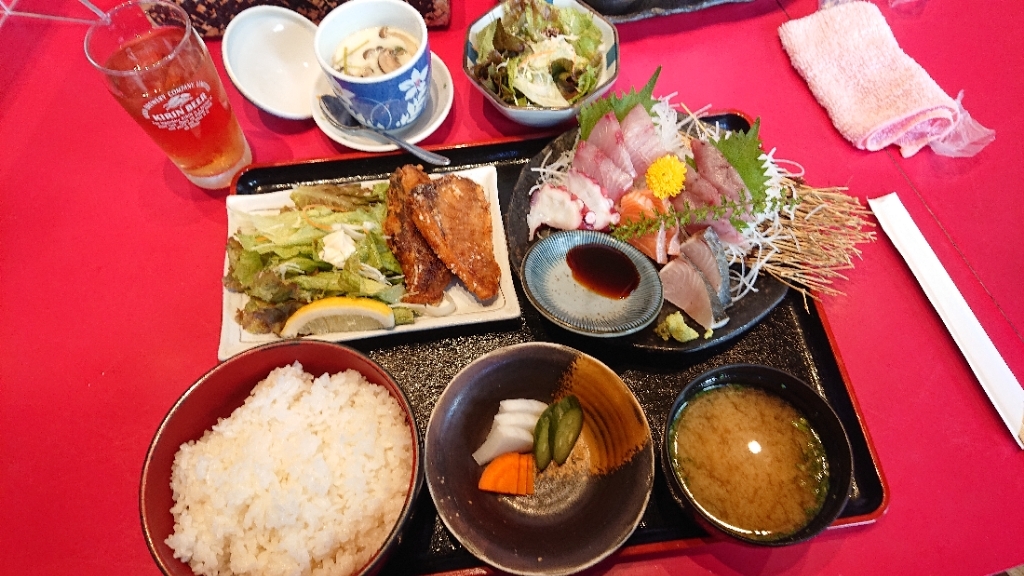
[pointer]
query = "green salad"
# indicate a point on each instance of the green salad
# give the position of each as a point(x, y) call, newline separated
point(330, 244)
point(538, 54)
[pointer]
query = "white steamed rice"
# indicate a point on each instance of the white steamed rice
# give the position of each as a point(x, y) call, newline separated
point(308, 477)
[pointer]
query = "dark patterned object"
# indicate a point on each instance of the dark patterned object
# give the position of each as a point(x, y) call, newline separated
point(211, 17)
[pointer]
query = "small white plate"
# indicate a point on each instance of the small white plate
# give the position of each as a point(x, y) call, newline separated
point(551, 287)
point(439, 104)
point(268, 54)
point(468, 310)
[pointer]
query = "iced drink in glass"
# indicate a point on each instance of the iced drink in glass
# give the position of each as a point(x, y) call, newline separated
point(159, 70)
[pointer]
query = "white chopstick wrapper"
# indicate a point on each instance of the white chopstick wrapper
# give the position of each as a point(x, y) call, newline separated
point(988, 365)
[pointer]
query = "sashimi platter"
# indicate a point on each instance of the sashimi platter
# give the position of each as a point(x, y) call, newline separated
point(729, 228)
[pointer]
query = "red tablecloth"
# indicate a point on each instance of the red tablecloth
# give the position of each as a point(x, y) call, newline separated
point(110, 263)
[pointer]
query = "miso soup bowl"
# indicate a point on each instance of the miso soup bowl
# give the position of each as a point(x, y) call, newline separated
point(808, 402)
point(391, 101)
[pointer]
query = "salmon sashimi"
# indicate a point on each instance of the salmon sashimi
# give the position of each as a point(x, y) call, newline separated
point(454, 216)
point(642, 203)
point(426, 277)
point(687, 288)
point(705, 251)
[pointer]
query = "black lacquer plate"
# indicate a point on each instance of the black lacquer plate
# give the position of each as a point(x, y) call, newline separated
point(742, 315)
point(632, 10)
point(791, 337)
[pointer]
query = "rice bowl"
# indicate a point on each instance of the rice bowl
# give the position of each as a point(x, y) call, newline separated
point(307, 475)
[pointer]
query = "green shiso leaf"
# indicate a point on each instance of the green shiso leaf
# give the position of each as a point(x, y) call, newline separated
point(621, 105)
point(743, 151)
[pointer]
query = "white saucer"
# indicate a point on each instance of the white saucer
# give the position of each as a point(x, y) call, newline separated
point(439, 104)
point(268, 54)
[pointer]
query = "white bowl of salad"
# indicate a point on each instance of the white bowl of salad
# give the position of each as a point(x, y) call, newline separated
point(512, 50)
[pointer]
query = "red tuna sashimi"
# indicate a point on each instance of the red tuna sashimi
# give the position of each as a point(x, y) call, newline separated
point(555, 207)
point(607, 135)
point(592, 161)
point(597, 213)
point(687, 288)
point(635, 206)
point(643, 143)
point(706, 253)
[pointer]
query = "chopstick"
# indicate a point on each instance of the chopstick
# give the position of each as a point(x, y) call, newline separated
point(988, 365)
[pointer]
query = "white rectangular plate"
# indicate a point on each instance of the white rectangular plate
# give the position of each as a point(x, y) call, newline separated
point(468, 310)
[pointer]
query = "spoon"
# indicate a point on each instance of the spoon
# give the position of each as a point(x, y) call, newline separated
point(338, 116)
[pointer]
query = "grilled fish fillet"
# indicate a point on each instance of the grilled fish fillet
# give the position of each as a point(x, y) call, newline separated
point(454, 217)
point(426, 277)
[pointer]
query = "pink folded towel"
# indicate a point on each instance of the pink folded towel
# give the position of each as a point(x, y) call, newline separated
point(874, 93)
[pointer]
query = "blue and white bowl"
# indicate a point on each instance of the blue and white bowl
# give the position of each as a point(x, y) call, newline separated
point(391, 101)
point(537, 116)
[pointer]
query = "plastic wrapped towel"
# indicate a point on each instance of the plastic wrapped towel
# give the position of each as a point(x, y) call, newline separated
point(875, 94)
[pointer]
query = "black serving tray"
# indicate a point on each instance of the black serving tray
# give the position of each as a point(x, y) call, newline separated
point(793, 337)
point(631, 10)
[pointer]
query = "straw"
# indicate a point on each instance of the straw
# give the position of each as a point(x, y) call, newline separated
point(10, 11)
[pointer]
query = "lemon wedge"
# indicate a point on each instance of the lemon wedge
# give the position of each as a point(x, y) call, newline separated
point(339, 314)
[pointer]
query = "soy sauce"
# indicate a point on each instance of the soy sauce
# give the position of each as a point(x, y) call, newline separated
point(603, 269)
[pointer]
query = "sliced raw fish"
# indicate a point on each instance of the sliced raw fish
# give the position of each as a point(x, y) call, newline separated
point(637, 205)
point(727, 233)
point(697, 191)
point(643, 144)
point(555, 207)
point(597, 213)
point(714, 167)
point(706, 253)
point(686, 287)
point(592, 161)
point(607, 135)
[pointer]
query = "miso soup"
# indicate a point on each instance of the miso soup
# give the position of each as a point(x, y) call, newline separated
point(750, 460)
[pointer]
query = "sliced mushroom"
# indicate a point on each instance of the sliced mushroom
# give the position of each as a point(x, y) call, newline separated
point(388, 61)
point(383, 32)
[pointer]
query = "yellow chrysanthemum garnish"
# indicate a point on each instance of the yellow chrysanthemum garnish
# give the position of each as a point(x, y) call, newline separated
point(665, 176)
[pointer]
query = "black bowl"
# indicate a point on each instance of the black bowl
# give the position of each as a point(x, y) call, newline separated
point(577, 516)
point(805, 399)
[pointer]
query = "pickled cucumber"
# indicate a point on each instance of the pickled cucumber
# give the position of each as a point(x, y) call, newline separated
point(542, 440)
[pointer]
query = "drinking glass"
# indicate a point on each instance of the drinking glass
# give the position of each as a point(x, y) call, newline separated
point(159, 70)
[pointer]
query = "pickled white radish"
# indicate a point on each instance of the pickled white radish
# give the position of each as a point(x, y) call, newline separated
point(522, 405)
point(501, 440)
point(525, 420)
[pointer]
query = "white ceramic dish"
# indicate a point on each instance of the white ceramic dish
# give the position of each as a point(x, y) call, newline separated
point(546, 117)
point(550, 285)
point(268, 54)
point(439, 104)
point(468, 310)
